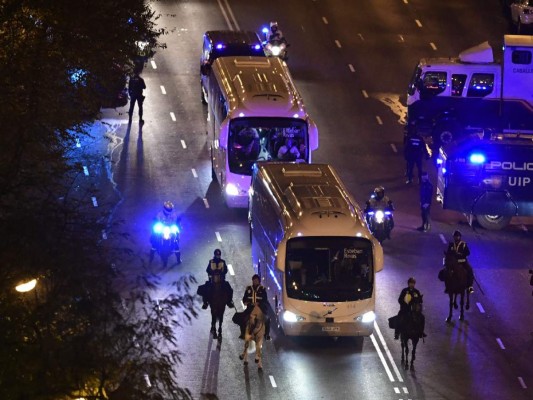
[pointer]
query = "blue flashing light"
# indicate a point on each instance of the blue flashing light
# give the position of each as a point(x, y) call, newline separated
point(443, 170)
point(219, 46)
point(440, 161)
point(477, 158)
point(257, 47)
point(158, 227)
point(265, 30)
point(274, 277)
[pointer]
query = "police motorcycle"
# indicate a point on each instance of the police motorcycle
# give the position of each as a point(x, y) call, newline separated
point(274, 44)
point(378, 215)
point(165, 237)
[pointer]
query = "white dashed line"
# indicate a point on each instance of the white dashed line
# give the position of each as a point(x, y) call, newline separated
point(397, 390)
point(153, 64)
point(442, 238)
point(325, 20)
point(401, 38)
point(147, 380)
point(194, 173)
point(272, 381)
point(379, 120)
point(481, 309)
point(95, 203)
point(394, 147)
point(183, 144)
point(365, 94)
point(338, 44)
point(163, 90)
point(104, 235)
point(418, 23)
point(351, 67)
point(361, 36)
point(86, 170)
point(218, 236)
point(230, 269)
point(380, 354)
point(433, 45)
point(78, 143)
point(206, 203)
point(500, 343)
point(405, 390)
point(522, 383)
point(173, 116)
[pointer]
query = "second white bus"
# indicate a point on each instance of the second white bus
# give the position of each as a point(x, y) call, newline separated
point(313, 250)
point(255, 113)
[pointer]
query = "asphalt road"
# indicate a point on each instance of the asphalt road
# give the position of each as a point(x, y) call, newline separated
point(352, 62)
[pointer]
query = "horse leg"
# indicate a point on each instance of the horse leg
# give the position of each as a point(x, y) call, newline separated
point(220, 319)
point(259, 353)
point(462, 316)
point(413, 355)
point(403, 350)
point(451, 305)
point(467, 300)
point(455, 301)
point(213, 323)
point(406, 340)
point(244, 355)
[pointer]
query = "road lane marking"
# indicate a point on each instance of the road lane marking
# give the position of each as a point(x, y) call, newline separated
point(522, 383)
point(225, 15)
point(365, 94)
point(380, 354)
point(86, 170)
point(206, 203)
point(230, 269)
point(380, 122)
point(389, 355)
point(230, 11)
point(325, 20)
point(500, 343)
point(361, 36)
point(183, 144)
point(394, 147)
point(219, 238)
point(351, 67)
point(442, 238)
point(147, 380)
point(194, 173)
point(95, 203)
point(163, 89)
point(481, 309)
point(173, 116)
point(397, 390)
point(338, 43)
point(418, 23)
point(405, 390)
point(433, 45)
point(272, 381)
point(153, 64)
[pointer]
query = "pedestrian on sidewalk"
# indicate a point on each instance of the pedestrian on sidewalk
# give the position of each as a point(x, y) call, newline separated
point(135, 90)
point(426, 196)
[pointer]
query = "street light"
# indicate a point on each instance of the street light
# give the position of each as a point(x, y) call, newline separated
point(26, 286)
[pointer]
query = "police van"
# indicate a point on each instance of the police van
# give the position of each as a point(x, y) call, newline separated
point(226, 44)
point(451, 97)
point(313, 250)
point(490, 180)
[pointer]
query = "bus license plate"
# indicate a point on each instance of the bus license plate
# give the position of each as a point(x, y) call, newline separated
point(331, 328)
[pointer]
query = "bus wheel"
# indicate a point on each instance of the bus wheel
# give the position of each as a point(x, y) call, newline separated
point(493, 222)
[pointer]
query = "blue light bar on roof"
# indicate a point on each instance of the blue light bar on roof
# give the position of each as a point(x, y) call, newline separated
point(257, 47)
point(477, 158)
point(219, 46)
point(265, 30)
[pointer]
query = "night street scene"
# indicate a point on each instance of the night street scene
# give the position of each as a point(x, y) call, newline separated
point(232, 199)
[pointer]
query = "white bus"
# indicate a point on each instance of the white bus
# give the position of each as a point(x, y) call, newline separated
point(313, 250)
point(254, 113)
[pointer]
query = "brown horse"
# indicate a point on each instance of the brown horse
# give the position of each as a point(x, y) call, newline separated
point(456, 283)
point(411, 327)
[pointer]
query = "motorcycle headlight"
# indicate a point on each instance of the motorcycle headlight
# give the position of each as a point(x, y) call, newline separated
point(368, 317)
point(158, 227)
point(379, 216)
point(276, 50)
point(174, 229)
point(231, 190)
point(289, 316)
point(166, 232)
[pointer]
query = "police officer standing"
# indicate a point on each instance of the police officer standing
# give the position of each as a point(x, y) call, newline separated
point(426, 195)
point(135, 89)
point(414, 152)
point(217, 269)
point(461, 251)
point(256, 295)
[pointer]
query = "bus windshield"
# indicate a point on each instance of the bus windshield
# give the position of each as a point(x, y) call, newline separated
point(329, 269)
point(265, 139)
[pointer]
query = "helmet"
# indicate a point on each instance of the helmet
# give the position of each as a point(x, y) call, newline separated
point(274, 26)
point(217, 253)
point(168, 207)
point(411, 280)
point(379, 192)
point(457, 233)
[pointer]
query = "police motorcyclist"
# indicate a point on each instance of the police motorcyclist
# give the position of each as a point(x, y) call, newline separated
point(167, 216)
point(461, 251)
point(256, 294)
point(407, 295)
point(217, 270)
point(378, 201)
point(275, 33)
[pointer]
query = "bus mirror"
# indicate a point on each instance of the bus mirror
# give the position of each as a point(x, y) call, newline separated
point(313, 136)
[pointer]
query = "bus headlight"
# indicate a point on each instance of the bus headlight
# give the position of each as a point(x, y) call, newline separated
point(289, 316)
point(368, 317)
point(231, 190)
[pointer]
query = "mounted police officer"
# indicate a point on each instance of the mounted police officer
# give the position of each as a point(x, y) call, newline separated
point(256, 294)
point(216, 271)
point(408, 295)
point(461, 251)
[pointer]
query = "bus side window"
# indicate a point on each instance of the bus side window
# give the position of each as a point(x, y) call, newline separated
point(433, 83)
point(458, 84)
point(481, 85)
